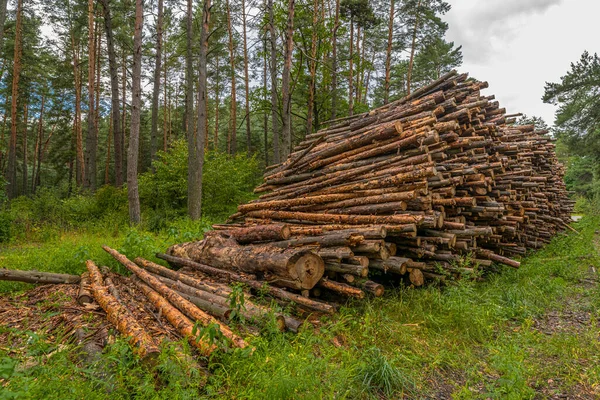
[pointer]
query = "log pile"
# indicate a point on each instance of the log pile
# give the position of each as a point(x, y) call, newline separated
point(430, 187)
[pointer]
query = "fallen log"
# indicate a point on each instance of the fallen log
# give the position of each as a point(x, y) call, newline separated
point(182, 304)
point(176, 318)
point(42, 278)
point(297, 269)
point(84, 296)
point(261, 286)
point(118, 315)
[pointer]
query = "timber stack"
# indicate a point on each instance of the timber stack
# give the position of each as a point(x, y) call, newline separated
point(429, 187)
point(432, 187)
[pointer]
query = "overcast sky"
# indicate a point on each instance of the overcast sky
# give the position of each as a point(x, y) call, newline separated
point(518, 45)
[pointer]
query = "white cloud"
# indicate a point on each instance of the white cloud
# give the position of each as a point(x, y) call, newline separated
point(518, 45)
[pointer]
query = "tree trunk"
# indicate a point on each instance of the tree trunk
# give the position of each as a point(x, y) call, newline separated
point(232, 142)
point(91, 142)
point(42, 278)
point(286, 95)
point(134, 135)
point(119, 140)
point(298, 269)
point(156, 88)
point(193, 190)
point(334, 94)
point(358, 65)
point(413, 48)
point(12, 149)
point(246, 81)
point(265, 113)
point(388, 56)
point(182, 304)
point(108, 144)
point(2, 20)
point(274, 100)
point(257, 285)
point(350, 75)
point(196, 204)
point(119, 316)
point(312, 70)
point(25, 131)
point(217, 104)
point(183, 324)
point(166, 110)
point(35, 179)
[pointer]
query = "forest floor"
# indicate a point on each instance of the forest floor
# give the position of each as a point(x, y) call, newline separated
point(527, 333)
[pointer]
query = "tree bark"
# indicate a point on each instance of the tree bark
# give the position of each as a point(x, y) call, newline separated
point(274, 101)
point(35, 179)
point(12, 149)
point(217, 104)
point(413, 47)
point(312, 70)
point(119, 316)
point(257, 285)
point(176, 318)
point(246, 80)
point(350, 73)
point(25, 152)
point(202, 130)
point(297, 269)
point(42, 278)
point(156, 88)
point(91, 142)
point(134, 135)
point(388, 56)
point(193, 190)
point(118, 139)
point(2, 19)
point(334, 89)
point(182, 304)
point(232, 142)
point(84, 295)
point(286, 95)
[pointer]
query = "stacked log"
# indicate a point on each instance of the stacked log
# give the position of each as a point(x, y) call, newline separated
point(431, 187)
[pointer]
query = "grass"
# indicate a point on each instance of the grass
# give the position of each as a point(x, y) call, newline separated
point(527, 333)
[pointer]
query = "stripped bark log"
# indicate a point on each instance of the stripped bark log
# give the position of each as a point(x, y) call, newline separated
point(117, 314)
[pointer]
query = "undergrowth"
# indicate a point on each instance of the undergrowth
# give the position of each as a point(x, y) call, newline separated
point(468, 340)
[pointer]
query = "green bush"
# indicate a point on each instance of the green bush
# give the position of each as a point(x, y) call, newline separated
point(5, 226)
point(227, 181)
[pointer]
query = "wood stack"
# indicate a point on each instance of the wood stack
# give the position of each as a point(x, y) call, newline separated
point(431, 186)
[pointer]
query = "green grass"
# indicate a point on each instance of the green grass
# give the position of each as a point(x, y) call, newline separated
point(470, 341)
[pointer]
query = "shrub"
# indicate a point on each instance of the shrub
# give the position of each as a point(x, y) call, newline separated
point(227, 181)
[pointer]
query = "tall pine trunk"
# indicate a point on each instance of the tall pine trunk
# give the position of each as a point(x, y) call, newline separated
point(91, 139)
point(12, 149)
point(79, 159)
point(156, 88)
point(246, 80)
point(232, 142)
point(286, 95)
point(25, 128)
point(312, 70)
point(202, 106)
point(265, 113)
point(136, 102)
point(2, 19)
point(388, 56)
point(217, 104)
point(334, 67)
point(118, 138)
point(350, 75)
point(194, 210)
point(274, 100)
point(413, 47)
point(37, 156)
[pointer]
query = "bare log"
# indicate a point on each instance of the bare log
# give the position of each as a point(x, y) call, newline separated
point(42, 278)
point(118, 315)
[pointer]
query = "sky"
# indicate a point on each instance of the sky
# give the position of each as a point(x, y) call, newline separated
point(518, 45)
